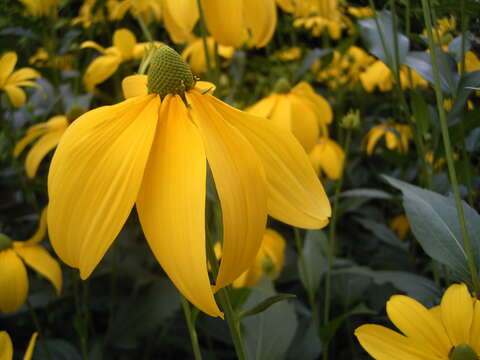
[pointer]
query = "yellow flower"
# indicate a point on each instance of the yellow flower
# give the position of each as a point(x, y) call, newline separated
point(10, 81)
point(290, 54)
point(444, 31)
point(327, 156)
point(41, 59)
point(151, 151)
point(48, 135)
point(40, 8)
point(379, 75)
point(125, 47)
point(447, 104)
point(269, 261)
point(300, 110)
point(85, 15)
point(448, 331)
point(400, 226)
point(236, 22)
point(194, 54)
point(360, 12)
point(180, 17)
point(397, 137)
point(13, 274)
point(147, 9)
point(6, 346)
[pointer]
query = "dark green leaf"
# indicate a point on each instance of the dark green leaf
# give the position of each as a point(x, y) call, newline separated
point(455, 46)
point(420, 112)
point(265, 304)
point(467, 81)
point(383, 233)
point(315, 262)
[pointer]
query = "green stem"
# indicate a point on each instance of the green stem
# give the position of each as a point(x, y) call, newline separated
point(144, 27)
point(191, 328)
point(204, 34)
point(448, 149)
point(36, 323)
point(332, 239)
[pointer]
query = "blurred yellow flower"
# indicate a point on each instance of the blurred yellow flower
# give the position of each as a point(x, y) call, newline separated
point(400, 226)
point(6, 346)
point(447, 104)
point(269, 261)
point(87, 16)
point(13, 274)
point(125, 47)
point(290, 54)
point(360, 12)
point(40, 8)
point(448, 331)
point(238, 22)
point(151, 151)
point(299, 109)
point(194, 54)
point(147, 9)
point(379, 75)
point(444, 31)
point(328, 157)
point(396, 136)
point(472, 63)
point(10, 81)
point(41, 59)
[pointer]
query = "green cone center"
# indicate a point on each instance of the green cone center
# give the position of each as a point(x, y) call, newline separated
point(5, 242)
point(463, 352)
point(169, 73)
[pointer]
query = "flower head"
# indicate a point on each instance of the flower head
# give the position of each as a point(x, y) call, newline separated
point(151, 151)
point(397, 137)
point(13, 274)
point(6, 346)
point(379, 75)
point(448, 331)
point(148, 9)
point(328, 157)
point(39, 8)
point(11, 81)
point(299, 109)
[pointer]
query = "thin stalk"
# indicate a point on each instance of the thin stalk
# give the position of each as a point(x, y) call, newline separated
point(204, 35)
point(187, 311)
point(448, 149)
point(333, 239)
point(36, 323)
point(144, 27)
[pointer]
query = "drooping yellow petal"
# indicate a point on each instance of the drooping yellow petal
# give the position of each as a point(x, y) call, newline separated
point(261, 20)
point(27, 139)
point(16, 95)
point(31, 347)
point(304, 123)
point(6, 346)
point(417, 323)
point(171, 204)
point(265, 106)
point(134, 85)
point(95, 176)
point(385, 344)
point(321, 106)
point(124, 40)
point(328, 156)
point(205, 87)
point(41, 261)
point(41, 230)
point(282, 112)
point(100, 70)
point(41, 148)
point(475, 329)
point(296, 196)
point(180, 18)
point(7, 64)
point(457, 313)
point(372, 138)
point(22, 75)
point(225, 21)
point(93, 45)
point(13, 282)
point(241, 186)
point(391, 139)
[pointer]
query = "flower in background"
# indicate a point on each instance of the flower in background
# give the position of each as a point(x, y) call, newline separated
point(290, 54)
point(400, 226)
point(234, 23)
point(11, 81)
point(6, 346)
point(360, 12)
point(151, 151)
point(328, 157)
point(180, 17)
point(396, 136)
point(299, 109)
point(125, 48)
point(194, 54)
point(379, 75)
point(13, 274)
point(39, 8)
point(87, 16)
point(41, 59)
point(147, 9)
point(444, 32)
point(448, 331)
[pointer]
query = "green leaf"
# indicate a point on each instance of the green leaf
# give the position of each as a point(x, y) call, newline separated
point(420, 112)
point(382, 232)
point(315, 262)
point(58, 349)
point(265, 304)
point(464, 90)
point(455, 46)
point(434, 222)
point(367, 193)
point(371, 35)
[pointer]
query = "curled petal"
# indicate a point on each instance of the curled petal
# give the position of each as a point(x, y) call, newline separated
point(124, 41)
point(22, 75)
point(180, 18)
point(41, 230)
point(93, 45)
point(31, 347)
point(16, 95)
point(261, 19)
point(41, 148)
point(134, 85)
point(7, 64)
point(13, 282)
point(225, 21)
point(6, 346)
point(100, 70)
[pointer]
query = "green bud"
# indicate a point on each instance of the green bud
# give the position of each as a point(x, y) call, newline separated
point(282, 86)
point(5, 242)
point(351, 120)
point(169, 73)
point(463, 352)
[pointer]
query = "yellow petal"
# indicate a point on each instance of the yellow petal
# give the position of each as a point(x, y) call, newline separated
point(31, 347)
point(181, 15)
point(134, 85)
point(6, 346)
point(41, 261)
point(7, 64)
point(241, 186)
point(295, 196)
point(95, 176)
point(417, 323)
point(328, 156)
point(100, 70)
point(264, 107)
point(171, 204)
point(16, 95)
point(304, 123)
point(13, 282)
point(372, 138)
point(261, 20)
point(391, 139)
point(205, 87)
point(385, 344)
point(282, 112)
point(475, 330)
point(274, 246)
point(22, 75)
point(41, 148)
point(321, 106)
point(225, 21)
point(27, 139)
point(457, 313)
point(124, 40)
point(41, 230)
point(92, 44)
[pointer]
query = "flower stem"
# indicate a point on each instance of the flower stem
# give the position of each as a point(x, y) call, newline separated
point(144, 27)
point(204, 34)
point(427, 14)
point(191, 328)
point(333, 240)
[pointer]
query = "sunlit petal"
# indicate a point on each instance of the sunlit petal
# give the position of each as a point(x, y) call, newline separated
point(100, 70)
point(6, 346)
point(22, 75)
point(7, 64)
point(41, 230)
point(41, 148)
point(225, 21)
point(13, 282)
point(181, 16)
point(16, 95)
point(134, 85)
point(124, 40)
point(93, 45)
point(31, 347)
point(261, 19)
point(457, 313)
point(303, 124)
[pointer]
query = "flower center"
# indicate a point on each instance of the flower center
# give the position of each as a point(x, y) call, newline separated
point(5, 242)
point(168, 73)
point(282, 86)
point(463, 352)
